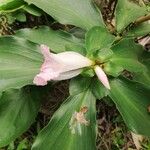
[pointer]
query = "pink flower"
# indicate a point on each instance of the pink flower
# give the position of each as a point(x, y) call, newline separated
point(60, 66)
point(65, 65)
point(102, 76)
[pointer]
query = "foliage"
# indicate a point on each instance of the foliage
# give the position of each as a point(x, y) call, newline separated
point(114, 50)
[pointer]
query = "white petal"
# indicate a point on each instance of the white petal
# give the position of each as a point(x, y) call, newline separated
point(73, 60)
point(68, 75)
point(60, 66)
point(39, 81)
point(102, 76)
point(43, 77)
point(45, 51)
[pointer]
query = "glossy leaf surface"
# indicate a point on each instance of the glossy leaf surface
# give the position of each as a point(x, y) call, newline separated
point(144, 77)
point(11, 5)
point(58, 135)
point(98, 38)
point(20, 61)
point(58, 41)
point(75, 12)
point(126, 54)
point(127, 12)
point(18, 109)
point(139, 30)
point(132, 100)
point(98, 89)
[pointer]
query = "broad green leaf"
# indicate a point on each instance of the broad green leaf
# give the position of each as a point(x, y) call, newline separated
point(75, 85)
point(75, 12)
point(126, 54)
point(20, 61)
point(132, 101)
point(129, 64)
point(139, 30)
point(98, 38)
point(99, 91)
point(58, 41)
point(57, 135)
point(33, 10)
point(11, 5)
point(104, 54)
point(144, 77)
point(128, 48)
point(18, 109)
point(19, 16)
point(127, 12)
point(88, 72)
point(16, 15)
point(77, 48)
point(113, 69)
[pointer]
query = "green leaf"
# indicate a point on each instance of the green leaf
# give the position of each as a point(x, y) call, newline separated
point(75, 12)
point(23, 144)
point(126, 13)
point(99, 91)
point(126, 54)
point(113, 69)
point(104, 54)
point(58, 41)
point(129, 64)
point(11, 5)
point(18, 109)
point(20, 61)
point(98, 38)
point(19, 16)
point(33, 10)
point(127, 48)
point(88, 72)
point(58, 135)
point(144, 77)
point(75, 85)
point(16, 15)
point(139, 30)
point(132, 100)
point(77, 48)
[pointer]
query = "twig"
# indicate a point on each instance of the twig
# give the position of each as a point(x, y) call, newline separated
point(142, 19)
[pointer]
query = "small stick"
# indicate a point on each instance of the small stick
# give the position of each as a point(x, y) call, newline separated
point(142, 19)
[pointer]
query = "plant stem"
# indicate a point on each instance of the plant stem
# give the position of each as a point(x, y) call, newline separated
point(142, 19)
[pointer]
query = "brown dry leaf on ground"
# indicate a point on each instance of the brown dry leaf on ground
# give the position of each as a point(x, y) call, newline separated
point(137, 139)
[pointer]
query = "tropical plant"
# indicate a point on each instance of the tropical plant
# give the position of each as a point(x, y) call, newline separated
point(94, 47)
